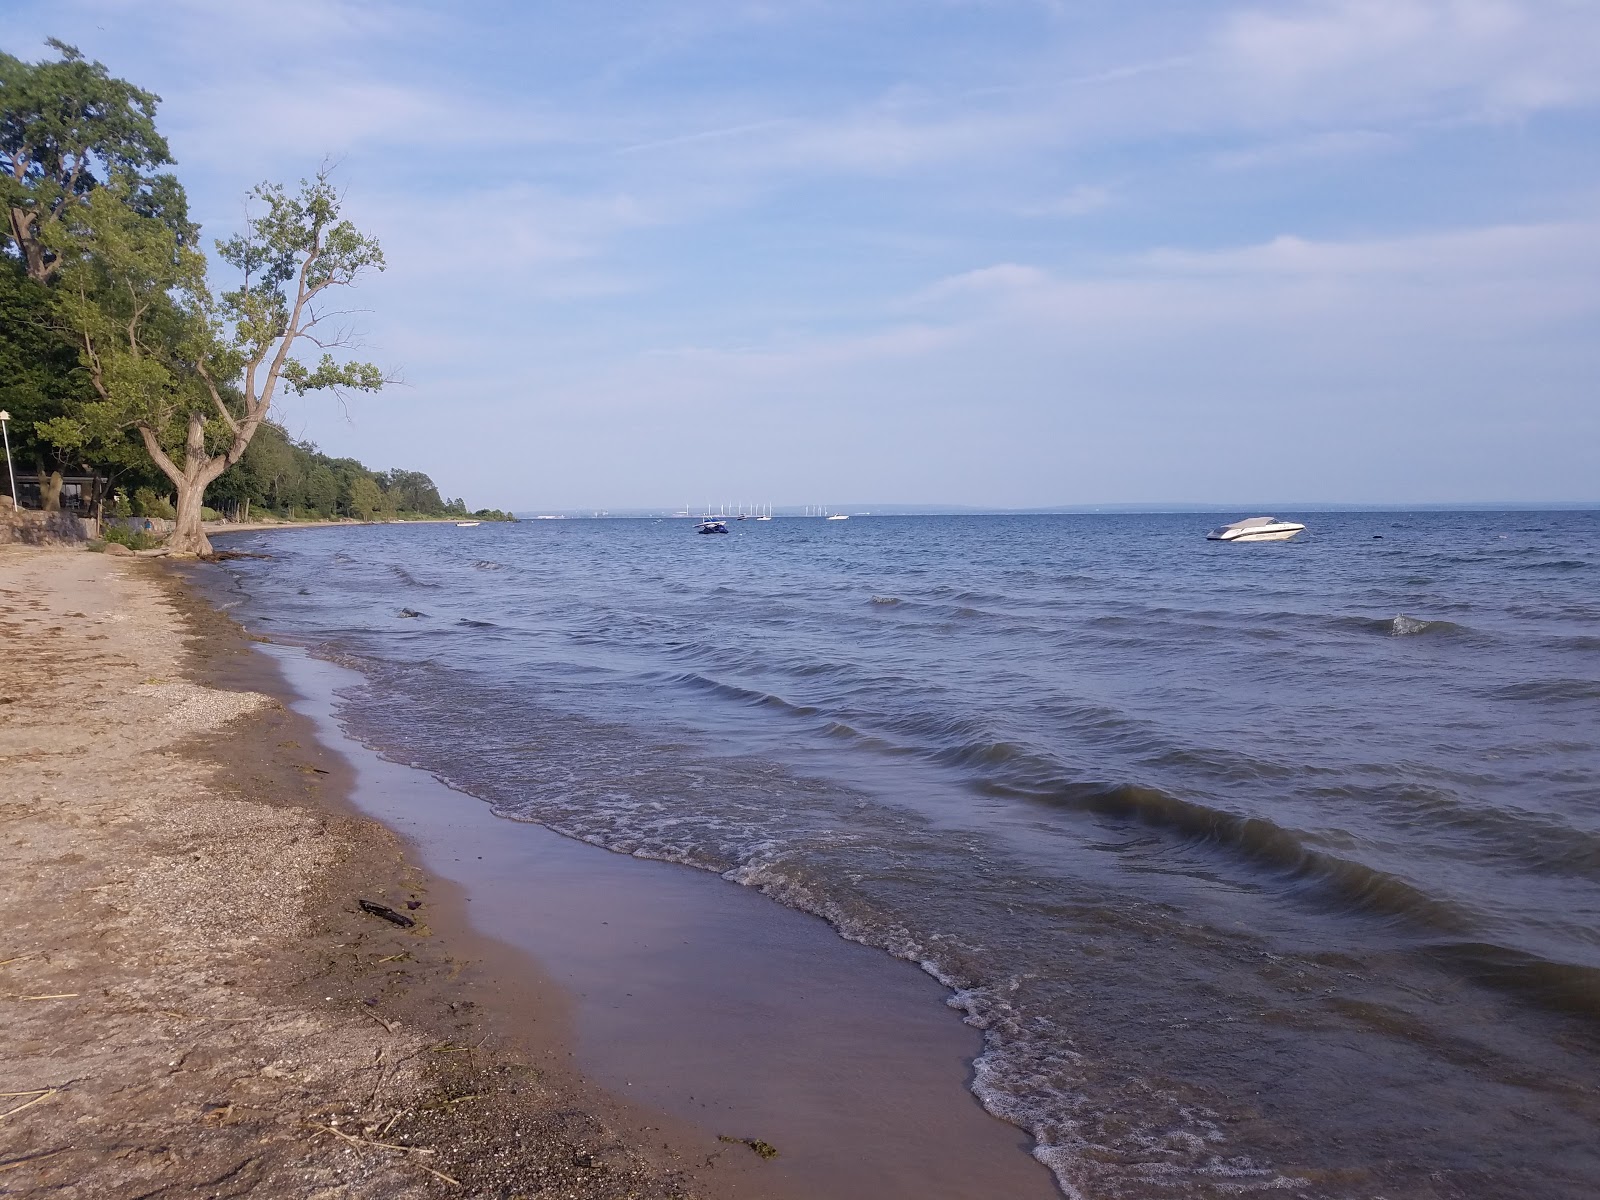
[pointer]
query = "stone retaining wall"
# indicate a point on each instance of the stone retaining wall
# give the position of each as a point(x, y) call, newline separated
point(32, 528)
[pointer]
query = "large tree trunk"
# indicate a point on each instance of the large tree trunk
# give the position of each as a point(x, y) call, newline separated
point(50, 491)
point(190, 536)
point(190, 482)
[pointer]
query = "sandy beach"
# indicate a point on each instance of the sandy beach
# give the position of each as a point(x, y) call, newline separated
point(195, 1002)
point(198, 1003)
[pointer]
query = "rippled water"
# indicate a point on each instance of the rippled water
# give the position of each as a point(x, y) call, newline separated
point(1263, 866)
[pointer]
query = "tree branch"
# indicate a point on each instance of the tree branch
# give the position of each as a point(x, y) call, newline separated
point(159, 456)
point(301, 297)
point(216, 397)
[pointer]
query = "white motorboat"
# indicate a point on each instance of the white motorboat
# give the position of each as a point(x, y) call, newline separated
point(711, 525)
point(468, 524)
point(1256, 529)
point(839, 517)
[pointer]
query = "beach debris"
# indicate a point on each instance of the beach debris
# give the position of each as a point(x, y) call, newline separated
point(387, 913)
point(40, 1095)
point(12, 1164)
point(763, 1149)
point(361, 1141)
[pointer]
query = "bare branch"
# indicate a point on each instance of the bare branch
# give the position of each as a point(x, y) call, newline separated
point(216, 398)
point(157, 455)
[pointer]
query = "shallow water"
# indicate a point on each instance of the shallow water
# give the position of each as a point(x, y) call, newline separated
point(1260, 866)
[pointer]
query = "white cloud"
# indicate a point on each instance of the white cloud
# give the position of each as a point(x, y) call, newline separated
point(1403, 59)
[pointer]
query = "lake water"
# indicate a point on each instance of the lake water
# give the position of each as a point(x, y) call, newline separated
point(1261, 867)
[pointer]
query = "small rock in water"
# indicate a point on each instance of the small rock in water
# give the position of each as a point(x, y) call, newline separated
point(764, 1149)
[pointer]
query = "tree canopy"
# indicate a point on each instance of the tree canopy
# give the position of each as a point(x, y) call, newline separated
point(67, 127)
point(118, 353)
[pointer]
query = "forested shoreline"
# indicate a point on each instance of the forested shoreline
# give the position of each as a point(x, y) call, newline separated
point(137, 384)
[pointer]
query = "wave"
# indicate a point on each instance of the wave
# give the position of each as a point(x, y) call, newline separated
point(405, 576)
point(1567, 987)
point(477, 624)
point(1549, 691)
point(751, 697)
point(1557, 564)
point(1358, 887)
point(1404, 626)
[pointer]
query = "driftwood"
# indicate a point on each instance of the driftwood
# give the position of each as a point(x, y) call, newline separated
point(387, 913)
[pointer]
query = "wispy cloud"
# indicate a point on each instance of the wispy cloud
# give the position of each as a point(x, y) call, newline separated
point(1317, 147)
point(907, 218)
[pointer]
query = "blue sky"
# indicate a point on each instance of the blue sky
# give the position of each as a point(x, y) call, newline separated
point(992, 252)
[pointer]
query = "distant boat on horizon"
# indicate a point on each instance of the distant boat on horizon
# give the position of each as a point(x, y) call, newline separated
point(468, 524)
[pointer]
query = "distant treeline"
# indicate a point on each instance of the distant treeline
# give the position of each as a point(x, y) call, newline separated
point(294, 479)
point(41, 377)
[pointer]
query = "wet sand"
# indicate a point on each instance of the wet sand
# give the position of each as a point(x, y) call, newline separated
point(191, 1000)
point(710, 1003)
point(212, 1013)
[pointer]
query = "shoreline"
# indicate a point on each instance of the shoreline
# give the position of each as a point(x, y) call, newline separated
point(749, 1020)
point(710, 1002)
point(213, 1011)
point(450, 1058)
point(213, 528)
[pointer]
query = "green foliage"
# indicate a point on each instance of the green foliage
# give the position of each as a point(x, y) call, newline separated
point(38, 367)
point(280, 475)
point(290, 253)
point(131, 295)
point(66, 128)
point(133, 539)
point(365, 499)
point(115, 354)
point(412, 491)
point(147, 502)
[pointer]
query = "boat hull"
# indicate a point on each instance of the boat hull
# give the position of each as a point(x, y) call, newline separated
point(1274, 535)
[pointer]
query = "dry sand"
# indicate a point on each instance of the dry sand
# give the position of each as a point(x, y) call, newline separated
point(193, 1003)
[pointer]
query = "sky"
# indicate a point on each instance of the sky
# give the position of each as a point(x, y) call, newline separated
point(1006, 253)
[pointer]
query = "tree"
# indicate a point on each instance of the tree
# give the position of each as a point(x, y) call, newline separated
point(37, 369)
point(412, 491)
point(193, 376)
point(366, 500)
point(66, 128)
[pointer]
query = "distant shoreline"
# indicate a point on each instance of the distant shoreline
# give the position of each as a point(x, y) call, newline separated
point(216, 527)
